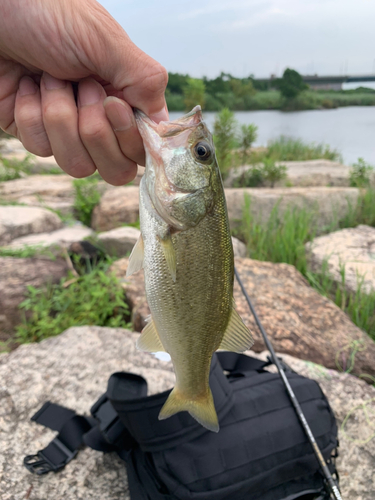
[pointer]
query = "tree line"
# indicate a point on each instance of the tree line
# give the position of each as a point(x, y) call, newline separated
point(227, 91)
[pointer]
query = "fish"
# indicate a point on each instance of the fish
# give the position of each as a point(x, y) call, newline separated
point(185, 249)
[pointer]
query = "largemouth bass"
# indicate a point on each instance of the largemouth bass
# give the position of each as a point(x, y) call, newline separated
point(186, 251)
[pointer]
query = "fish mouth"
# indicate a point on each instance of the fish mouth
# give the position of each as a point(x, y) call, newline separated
point(147, 127)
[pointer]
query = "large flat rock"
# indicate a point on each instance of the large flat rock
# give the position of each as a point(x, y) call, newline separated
point(15, 276)
point(52, 191)
point(299, 320)
point(326, 204)
point(17, 221)
point(310, 173)
point(62, 238)
point(119, 241)
point(117, 206)
point(352, 249)
point(73, 368)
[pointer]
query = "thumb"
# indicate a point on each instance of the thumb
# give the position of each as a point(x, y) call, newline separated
point(119, 61)
point(147, 88)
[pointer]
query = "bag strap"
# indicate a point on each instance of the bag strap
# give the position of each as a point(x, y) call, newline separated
point(64, 447)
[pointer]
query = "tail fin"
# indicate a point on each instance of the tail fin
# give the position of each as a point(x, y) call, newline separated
point(202, 409)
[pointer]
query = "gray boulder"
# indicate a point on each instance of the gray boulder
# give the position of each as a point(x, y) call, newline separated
point(62, 238)
point(16, 221)
point(119, 241)
point(326, 204)
point(73, 368)
point(117, 206)
point(310, 173)
point(352, 249)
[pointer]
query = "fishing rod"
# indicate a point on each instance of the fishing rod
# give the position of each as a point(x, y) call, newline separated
point(326, 472)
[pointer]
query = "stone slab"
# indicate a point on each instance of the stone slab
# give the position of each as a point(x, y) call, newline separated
point(327, 204)
point(17, 221)
point(299, 320)
point(119, 241)
point(118, 206)
point(311, 173)
point(352, 249)
point(73, 368)
point(61, 238)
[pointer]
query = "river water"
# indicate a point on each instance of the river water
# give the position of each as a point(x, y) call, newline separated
point(350, 130)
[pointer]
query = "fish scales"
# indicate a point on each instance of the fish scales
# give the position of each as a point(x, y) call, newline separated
point(186, 251)
point(192, 312)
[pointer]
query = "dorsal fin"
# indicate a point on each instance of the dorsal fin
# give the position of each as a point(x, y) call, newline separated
point(149, 341)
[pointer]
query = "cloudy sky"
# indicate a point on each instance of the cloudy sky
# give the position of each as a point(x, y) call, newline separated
point(260, 37)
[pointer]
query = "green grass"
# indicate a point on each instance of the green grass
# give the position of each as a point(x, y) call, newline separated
point(15, 169)
point(289, 149)
point(27, 252)
point(87, 196)
point(283, 239)
point(96, 298)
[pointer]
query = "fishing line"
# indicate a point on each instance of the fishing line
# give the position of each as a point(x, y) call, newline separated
point(326, 472)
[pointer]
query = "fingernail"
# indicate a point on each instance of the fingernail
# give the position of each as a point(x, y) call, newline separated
point(52, 83)
point(89, 92)
point(161, 116)
point(27, 86)
point(119, 115)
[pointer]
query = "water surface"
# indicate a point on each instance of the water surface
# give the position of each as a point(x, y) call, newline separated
point(350, 130)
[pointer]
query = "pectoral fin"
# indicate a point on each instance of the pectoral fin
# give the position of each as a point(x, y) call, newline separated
point(149, 341)
point(169, 254)
point(237, 336)
point(136, 258)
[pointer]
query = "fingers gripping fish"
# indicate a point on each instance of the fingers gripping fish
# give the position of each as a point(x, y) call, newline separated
point(186, 251)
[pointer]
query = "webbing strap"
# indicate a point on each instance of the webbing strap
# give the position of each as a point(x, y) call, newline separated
point(64, 447)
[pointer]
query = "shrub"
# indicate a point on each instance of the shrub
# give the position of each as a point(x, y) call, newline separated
point(248, 135)
point(360, 174)
point(96, 298)
point(273, 173)
point(87, 197)
point(252, 177)
point(224, 138)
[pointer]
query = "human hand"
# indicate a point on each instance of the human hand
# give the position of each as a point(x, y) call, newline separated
point(76, 42)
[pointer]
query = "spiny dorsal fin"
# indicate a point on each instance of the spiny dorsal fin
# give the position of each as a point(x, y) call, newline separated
point(149, 341)
point(237, 336)
point(169, 254)
point(136, 258)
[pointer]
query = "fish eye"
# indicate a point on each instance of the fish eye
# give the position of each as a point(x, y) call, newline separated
point(202, 151)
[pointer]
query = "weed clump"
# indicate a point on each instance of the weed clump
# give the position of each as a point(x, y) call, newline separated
point(360, 174)
point(96, 298)
point(87, 196)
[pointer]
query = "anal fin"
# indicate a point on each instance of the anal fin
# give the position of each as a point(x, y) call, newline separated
point(136, 258)
point(237, 336)
point(149, 341)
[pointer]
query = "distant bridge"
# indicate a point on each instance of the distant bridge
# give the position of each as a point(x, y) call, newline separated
point(330, 82)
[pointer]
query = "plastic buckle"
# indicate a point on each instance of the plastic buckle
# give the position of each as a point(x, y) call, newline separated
point(40, 464)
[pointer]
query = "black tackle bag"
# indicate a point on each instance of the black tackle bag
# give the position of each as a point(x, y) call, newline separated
point(260, 452)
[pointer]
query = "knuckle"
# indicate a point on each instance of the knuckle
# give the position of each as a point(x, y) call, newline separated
point(156, 81)
point(93, 131)
point(79, 167)
point(55, 115)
